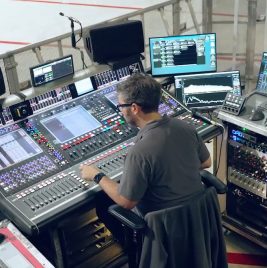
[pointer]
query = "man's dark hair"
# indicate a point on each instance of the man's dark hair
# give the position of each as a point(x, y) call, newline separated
point(143, 90)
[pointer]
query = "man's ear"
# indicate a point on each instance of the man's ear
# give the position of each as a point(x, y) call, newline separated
point(136, 108)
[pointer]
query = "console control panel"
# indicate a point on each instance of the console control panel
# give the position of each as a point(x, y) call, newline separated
point(40, 155)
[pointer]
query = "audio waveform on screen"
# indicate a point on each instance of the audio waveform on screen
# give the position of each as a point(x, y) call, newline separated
point(200, 89)
point(195, 100)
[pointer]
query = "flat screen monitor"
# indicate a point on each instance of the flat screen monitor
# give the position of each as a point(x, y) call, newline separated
point(206, 91)
point(262, 77)
point(183, 54)
point(51, 71)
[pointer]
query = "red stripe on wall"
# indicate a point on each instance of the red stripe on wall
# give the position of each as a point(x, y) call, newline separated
point(79, 4)
point(229, 15)
point(14, 42)
point(247, 259)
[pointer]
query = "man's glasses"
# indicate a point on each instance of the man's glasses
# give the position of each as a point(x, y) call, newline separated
point(119, 106)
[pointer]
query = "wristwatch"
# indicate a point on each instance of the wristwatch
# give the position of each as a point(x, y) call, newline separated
point(97, 178)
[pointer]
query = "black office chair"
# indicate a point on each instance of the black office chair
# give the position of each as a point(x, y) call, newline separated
point(189, 235)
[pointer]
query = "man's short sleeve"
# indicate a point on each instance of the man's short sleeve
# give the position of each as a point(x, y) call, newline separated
point(203, 152)
point(134, 179)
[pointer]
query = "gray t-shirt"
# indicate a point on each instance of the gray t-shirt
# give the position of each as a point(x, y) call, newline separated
point(162, 168)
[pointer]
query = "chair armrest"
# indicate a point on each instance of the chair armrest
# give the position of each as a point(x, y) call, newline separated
point(210, 180)
point(127, 217)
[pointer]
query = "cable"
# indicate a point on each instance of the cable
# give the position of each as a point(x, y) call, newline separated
point(81, 31)
point(220, 152)
point(209, 114)
point(21, 95)
point(1, 104)
point(82, 57)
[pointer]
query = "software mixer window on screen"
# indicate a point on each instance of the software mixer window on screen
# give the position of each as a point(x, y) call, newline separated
point(183, 54)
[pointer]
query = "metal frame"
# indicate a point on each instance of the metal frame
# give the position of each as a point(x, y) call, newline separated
point(9, 58)
point(251, 34)
point(11, 65)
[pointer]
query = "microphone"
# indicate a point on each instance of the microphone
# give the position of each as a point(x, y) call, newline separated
point(72, 20)
point(73, 39)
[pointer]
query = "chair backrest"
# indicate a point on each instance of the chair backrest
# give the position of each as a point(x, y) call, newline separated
point(188, 235)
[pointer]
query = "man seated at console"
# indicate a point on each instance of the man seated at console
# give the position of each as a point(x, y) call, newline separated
point(162, 169)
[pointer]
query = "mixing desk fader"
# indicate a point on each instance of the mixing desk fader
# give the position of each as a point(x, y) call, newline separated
point(40, 155)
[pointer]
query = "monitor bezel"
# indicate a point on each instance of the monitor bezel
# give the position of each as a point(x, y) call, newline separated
point(173, 36)
point(47, 63)
point(258, 78)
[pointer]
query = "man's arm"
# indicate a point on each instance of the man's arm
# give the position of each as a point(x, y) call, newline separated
point(109, 186)
point(206, 164)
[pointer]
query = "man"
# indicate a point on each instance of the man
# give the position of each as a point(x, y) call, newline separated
point(162, 169)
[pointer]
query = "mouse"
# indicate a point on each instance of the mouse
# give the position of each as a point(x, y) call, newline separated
point(2, 238)
point(256, 115)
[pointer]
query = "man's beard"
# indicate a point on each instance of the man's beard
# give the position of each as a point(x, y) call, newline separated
point(130, 120)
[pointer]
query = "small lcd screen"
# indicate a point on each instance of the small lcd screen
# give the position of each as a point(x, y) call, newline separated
point(51, 71)
point(16, 147)
point(262, 77)
point(111, 94)
point(183, 54)
point(84, 86)
point(70, 124)
point(206, 90)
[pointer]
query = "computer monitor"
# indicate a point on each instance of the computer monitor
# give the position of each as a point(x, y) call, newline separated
point(51, 71)
point(262, 77)
point(206, 91)
point(183, 54)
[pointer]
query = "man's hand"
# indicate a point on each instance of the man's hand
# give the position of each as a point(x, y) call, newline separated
point(88, 172)
point(109, 186)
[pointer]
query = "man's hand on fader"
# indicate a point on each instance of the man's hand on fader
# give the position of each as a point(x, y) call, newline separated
point(88, 172)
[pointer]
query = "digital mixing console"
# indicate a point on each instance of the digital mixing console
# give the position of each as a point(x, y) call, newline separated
point(40, 154)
